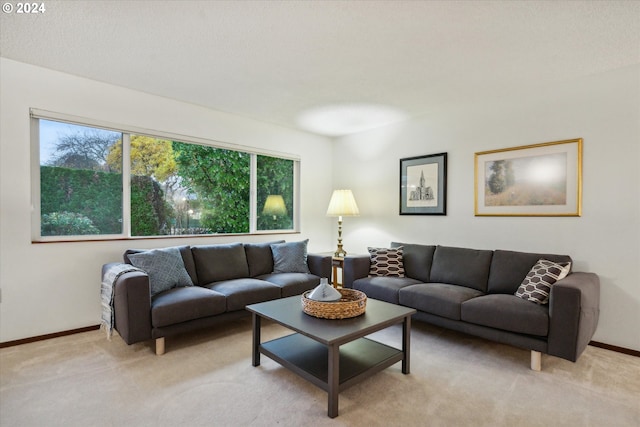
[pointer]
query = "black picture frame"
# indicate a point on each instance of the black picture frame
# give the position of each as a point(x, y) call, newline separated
point(423, 185)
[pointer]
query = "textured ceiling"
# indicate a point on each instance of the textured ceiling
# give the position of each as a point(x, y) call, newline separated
point(276, 60)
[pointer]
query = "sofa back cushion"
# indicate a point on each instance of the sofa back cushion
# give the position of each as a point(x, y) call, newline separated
point(461, 266)
point(417, 260)
point(187, 258)
point(509, 268)
point(259, 257)
point(220, 262)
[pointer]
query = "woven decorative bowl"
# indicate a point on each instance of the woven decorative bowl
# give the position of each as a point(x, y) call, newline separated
point(353, 303)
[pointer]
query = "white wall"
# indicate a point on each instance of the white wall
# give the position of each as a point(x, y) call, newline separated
point(54, 287)
point(603, 109)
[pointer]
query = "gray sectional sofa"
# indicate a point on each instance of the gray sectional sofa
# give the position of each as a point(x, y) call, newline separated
point(473, 291)
point(224, 278)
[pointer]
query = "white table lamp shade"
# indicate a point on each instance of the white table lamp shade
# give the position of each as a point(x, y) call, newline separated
point(342, 204)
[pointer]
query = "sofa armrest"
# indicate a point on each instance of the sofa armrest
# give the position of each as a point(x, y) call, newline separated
point(320, 265)
point(132, 306)
point(355, 267)
point(574, 309)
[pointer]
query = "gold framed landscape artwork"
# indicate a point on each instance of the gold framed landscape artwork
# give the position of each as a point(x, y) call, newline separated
point(531, 180)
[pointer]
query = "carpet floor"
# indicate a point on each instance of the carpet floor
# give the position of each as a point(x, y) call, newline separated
point(206, 379)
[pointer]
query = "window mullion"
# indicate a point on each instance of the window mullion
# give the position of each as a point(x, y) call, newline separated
point(253, 194)
point(126, 185)
point(296, 195)
point(36, 219)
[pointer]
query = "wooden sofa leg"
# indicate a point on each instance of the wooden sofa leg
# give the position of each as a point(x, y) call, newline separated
point(536, 360)
point(160, 346)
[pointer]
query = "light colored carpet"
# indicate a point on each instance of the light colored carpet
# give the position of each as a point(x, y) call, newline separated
point(206, 379)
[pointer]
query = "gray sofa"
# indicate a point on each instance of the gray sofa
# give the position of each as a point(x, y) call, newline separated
point(472, 291)
point(225, 278)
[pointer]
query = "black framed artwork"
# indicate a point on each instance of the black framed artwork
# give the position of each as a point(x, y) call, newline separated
point(423, 185)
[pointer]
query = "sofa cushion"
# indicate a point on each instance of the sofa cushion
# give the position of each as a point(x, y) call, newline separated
point(242, 292)
point(386, 262)
point(461, 266)
point(290, 257)
point(509, 268)
point(220, 262)
point(383, 288)
point(417, 260)
point(291, 283)
point(441, 299)
point(183, 304)
point(259, 257)
point(187, 259)
point(536, 286)
point(508, 313)
point(165, 268)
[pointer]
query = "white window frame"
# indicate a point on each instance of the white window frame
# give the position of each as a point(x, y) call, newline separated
point(36, 115)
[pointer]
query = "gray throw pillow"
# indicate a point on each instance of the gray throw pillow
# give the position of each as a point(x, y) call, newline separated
point(290, 257)
point(165, 268)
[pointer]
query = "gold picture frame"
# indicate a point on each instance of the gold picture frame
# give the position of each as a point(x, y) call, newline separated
point(531, 180)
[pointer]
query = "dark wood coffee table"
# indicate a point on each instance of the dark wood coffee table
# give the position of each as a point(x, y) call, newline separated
point(332, 354)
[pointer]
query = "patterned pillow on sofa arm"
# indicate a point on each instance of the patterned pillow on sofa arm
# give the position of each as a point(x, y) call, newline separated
point(536, 286)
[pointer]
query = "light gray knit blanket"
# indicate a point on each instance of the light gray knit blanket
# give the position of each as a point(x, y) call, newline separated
point(107, 320)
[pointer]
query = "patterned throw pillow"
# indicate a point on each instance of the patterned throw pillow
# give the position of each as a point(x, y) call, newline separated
point(536, 286)
point(164, 267)
point(290, 257)
point(386, 262)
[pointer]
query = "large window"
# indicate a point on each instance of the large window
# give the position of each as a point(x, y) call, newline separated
point(96, 182)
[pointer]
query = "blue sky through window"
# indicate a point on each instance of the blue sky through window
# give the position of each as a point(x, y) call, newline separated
point(51, 132)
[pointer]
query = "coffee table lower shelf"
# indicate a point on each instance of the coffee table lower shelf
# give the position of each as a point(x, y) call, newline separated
point(332, 354)
point(359, 359)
